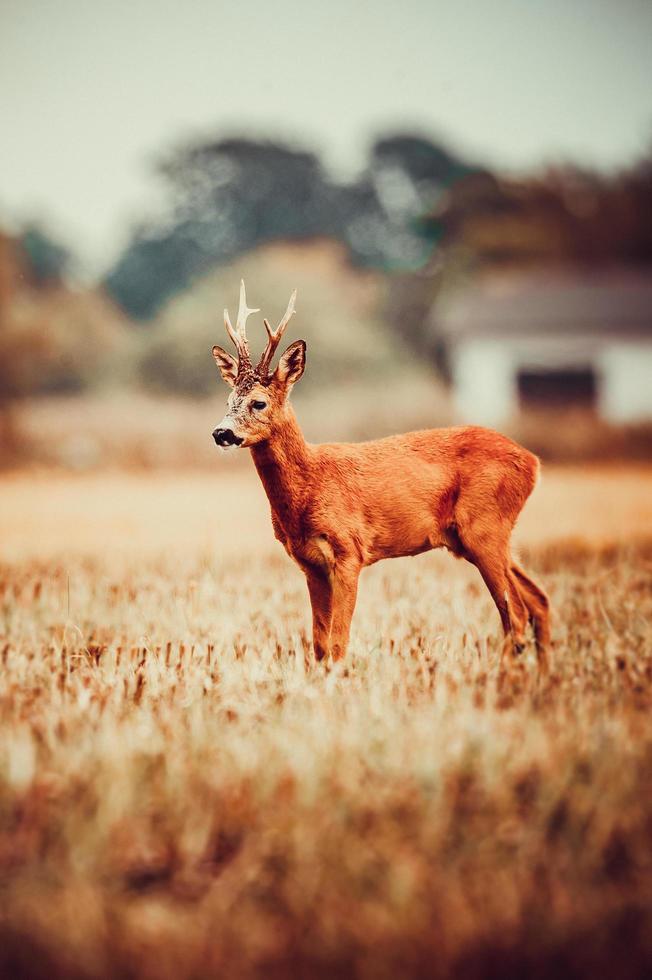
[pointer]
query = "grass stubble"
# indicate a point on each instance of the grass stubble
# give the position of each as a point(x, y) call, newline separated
point(184, 794)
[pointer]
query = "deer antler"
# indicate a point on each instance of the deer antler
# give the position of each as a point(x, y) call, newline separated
point(239, 335)
point(274, 336)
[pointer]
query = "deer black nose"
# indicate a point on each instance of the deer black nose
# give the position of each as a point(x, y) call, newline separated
point(226, 437)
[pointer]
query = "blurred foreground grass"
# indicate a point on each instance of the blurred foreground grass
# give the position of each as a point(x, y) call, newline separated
point(183, 794)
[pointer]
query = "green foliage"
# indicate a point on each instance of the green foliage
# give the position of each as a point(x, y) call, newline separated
point(423, 161)
point(154, 267)
point(48, 261)
point(230, 196)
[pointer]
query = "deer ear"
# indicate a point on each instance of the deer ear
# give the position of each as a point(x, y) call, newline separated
point(292, 362)
point(228, 365)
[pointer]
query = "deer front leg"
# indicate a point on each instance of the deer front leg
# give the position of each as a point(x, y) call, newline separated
point(321, 600)
point(345, 591)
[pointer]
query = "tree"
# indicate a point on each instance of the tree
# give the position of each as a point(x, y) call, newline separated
point(426, 163)
point(226, 197)
point(48, 262)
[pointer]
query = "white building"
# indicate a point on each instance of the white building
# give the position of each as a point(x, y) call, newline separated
point(551, 338)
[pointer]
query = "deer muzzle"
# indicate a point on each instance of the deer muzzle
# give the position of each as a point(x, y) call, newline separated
point(226, 437)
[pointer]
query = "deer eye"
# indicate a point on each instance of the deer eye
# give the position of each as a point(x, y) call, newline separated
point(259, 405)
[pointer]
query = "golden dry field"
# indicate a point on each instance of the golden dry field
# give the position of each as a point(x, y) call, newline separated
point(184, 794)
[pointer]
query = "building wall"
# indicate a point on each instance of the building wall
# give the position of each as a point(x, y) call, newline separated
point(484, 388)
point(485, 371)
point(626, 382)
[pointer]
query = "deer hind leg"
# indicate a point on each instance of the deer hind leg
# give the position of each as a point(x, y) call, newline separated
point(538, 607)
point(490, 555)
point(509, 602)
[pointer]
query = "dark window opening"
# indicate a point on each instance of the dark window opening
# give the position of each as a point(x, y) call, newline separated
point(567, 387)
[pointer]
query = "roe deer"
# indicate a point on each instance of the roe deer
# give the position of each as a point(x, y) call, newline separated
point(339, 507)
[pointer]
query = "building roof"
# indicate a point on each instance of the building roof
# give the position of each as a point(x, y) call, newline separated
point(518, 303)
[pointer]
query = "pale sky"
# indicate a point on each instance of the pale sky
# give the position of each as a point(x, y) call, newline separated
point(91, 91)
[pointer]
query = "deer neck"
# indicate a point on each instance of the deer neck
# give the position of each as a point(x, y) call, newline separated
point(283, 465)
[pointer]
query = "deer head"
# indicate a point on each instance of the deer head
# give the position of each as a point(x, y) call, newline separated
point(259, 395)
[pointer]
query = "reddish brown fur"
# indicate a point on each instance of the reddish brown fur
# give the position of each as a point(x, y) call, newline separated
point(337, 508)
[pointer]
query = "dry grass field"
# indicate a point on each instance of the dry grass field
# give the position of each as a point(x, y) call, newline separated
point(183, 794)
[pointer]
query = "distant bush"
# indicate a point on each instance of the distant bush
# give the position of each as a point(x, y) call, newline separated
point(58, 341)
point(175, 358)
point(336, 315)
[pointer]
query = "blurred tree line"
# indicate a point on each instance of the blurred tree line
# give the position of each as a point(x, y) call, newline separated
point(418, 221)
point(228, 197)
